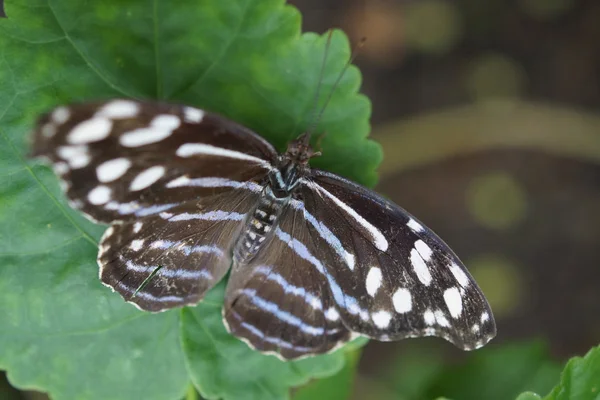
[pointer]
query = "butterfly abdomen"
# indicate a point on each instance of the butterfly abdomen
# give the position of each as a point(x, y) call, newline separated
point(258, 227)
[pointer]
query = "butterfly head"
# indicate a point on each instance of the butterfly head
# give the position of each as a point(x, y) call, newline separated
point(300, 151)
point(292, 166)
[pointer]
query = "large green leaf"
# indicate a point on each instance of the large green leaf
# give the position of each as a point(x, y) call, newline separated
point(580, 380)
point(492, 373)
point(499, 373)
point(61, 331)
point(336, 387)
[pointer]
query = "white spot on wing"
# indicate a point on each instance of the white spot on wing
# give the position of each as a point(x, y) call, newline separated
point(213, 182)
point(332, 314)
point(379, 240)
point(91, 130)
point(459, 275)
point(67, 152)
point(60, 115)
point(453, 301)
point(420, 267)
point(61, 168)
point(209, 216)
point(80, 161)
point(119, 109)
point(441, 319)
point(192, 149)
point(382, 319)
point(354, 309)
point(429, 317)
point(112, 170)
point(485, 317)
point(161, 127)
point(147, 178)
point(402, 300)
point(350, 259)
point(414, 225)
point(109, 231)
point(479, 344)
point(76, 156)
point(137, 227)
point(424, 250)
point(136, 245)
point(99, 195)
point(192, 114)
point(166, 122)
point(373, 281)
point(179, 181)
point(65, 186)
point(48, 130)
point(315, 302)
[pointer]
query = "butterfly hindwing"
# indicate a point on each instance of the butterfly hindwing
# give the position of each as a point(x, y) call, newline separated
point(393, 277)
point(280, 302)
point(173, 258)
point(124, 159)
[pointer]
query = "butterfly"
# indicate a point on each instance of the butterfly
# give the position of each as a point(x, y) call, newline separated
point(314, 259)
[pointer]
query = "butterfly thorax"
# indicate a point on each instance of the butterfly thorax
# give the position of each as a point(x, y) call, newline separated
point(282, 181)
point(291, 166)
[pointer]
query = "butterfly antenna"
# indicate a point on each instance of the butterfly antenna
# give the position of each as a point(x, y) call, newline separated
point(317, 118)
point(313, 112)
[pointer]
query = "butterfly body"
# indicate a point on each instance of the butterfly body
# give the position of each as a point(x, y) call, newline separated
point(259, 225)
point(279, 188)
point(315, 259)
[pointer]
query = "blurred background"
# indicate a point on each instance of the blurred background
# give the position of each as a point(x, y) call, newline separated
point(488, 113)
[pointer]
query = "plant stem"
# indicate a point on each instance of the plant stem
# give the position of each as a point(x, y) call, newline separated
point(191, 393)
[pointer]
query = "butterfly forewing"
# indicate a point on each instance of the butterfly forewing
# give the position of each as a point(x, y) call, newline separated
point(280, 302)
point(123, 160)
point(394, 278)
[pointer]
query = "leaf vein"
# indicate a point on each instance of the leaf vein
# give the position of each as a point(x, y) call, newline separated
point(102, 75)
point(219, 57)
point(56, 202)
point(42, 251)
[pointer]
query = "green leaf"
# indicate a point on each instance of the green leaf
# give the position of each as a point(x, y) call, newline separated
point(494, 372)
point(499, 373)
point(336, 387)
point(580, 380)
point(412, 374)
point(528, 396)
point(62, 331)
